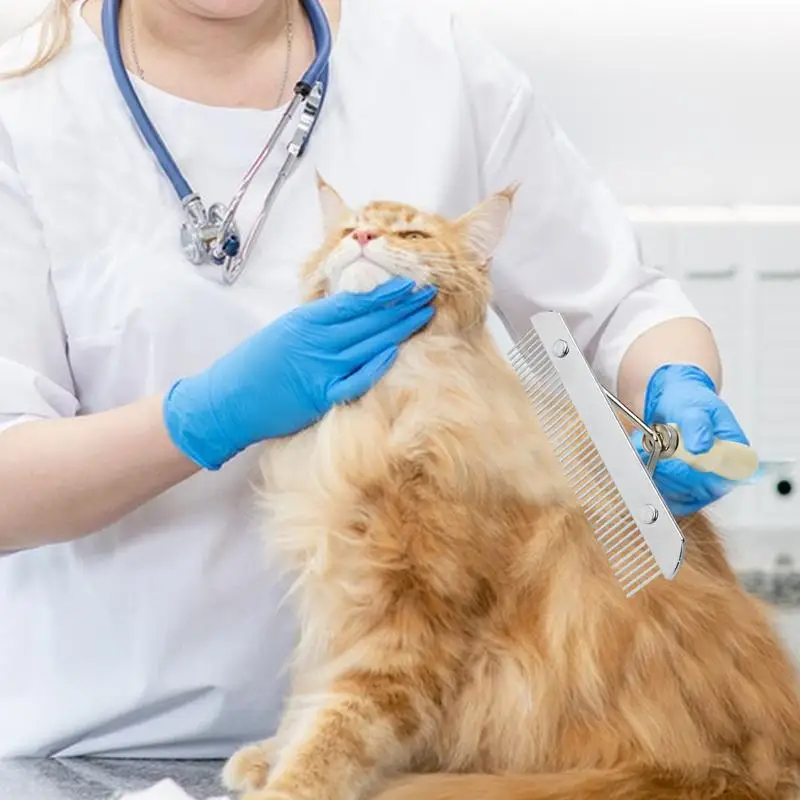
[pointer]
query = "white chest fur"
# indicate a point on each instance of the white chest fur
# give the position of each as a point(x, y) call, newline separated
point(359, 276)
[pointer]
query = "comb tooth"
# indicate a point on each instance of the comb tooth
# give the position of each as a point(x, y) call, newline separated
point(590, 464)
point(531, 340)
point(575, 425)
point(534, 341)
point(616, 540)
point(547, 417)
point(632, 587)
point(632, 570)
point(529, 366)
point(539, 363)
point(619, 553)
point(620, 544)
point(538, 368)
point(634, 565)
point(617, 536)
point(583, 463)
point(544, 383)
point(629, 567)
point(592, 471)
point(546, 407)
point(582, 473)
point(569, 450)
point(585, 486)
point(635, 571)
point(564, 435)
point(613, 526)
point(618, 514)
point(630, 560)
point(602, 500)
point(607, 525)
point(634, 576)
point(555, 401)
point(589, 467)
point(536, 357)
point(572, 434)
point(616, 528)
point(593, 498)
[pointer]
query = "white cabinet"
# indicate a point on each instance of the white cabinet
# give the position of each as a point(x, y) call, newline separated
point(776, 367)
point(744, 277)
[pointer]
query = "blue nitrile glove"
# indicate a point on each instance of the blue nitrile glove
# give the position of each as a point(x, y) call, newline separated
point(686, 396)
point(290, 373)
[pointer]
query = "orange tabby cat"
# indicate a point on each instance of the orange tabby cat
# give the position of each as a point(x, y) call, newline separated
point(456, 614)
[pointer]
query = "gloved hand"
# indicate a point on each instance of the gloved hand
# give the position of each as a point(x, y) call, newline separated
point(686, 395)
point(290, 373)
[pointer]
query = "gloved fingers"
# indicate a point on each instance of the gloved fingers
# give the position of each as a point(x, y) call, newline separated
point(353, 332)
point(697, 429)
point(362, 380)
point(391, 337)
point(685, 490)
point(682, 383)
point(726, 426)
point(349, 305)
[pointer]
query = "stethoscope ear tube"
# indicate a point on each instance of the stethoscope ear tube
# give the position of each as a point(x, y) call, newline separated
point(110, 27)
point(323, 44)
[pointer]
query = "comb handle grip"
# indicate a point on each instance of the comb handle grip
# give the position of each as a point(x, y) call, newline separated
point(731, 460)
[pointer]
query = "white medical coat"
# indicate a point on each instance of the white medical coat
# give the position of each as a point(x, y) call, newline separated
point(162, 635)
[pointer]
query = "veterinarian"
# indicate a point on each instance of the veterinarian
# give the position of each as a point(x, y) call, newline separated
point(140, 359)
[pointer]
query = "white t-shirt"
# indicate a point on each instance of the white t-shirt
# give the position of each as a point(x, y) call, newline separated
point(162, 635)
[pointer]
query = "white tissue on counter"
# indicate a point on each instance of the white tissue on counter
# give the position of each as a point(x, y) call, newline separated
point(163, 790)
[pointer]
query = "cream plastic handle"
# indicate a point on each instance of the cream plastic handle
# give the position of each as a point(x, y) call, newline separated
point(731, 460)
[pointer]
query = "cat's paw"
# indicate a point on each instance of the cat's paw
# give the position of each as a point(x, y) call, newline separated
point(247, 769)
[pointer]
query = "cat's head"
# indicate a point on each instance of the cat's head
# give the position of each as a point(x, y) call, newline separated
point(366, 246)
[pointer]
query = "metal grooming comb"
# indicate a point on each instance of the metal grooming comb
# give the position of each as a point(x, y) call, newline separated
point(613, 487)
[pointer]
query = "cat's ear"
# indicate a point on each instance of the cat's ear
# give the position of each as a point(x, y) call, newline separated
point(334, 209)
point(484, 226)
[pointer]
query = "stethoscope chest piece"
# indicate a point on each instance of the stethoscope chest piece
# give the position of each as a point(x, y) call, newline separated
point(211, 241)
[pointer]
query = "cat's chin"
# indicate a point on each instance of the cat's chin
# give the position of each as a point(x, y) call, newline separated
point(360, 276)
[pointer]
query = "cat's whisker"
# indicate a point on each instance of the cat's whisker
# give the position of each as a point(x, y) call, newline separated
point(443, 255)
point(435, 258)
point(441, 267)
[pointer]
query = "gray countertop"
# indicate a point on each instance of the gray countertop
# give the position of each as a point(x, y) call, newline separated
point(102, 779)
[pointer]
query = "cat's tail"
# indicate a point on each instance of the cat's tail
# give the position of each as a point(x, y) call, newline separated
point(621, 784)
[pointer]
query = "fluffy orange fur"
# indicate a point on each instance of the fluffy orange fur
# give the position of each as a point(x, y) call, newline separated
point(462, 635)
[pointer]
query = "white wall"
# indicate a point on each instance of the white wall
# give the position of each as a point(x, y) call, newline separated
point(673, 101)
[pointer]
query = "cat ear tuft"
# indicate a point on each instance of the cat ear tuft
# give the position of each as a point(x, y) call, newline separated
point(486, 224)
point(334, 209)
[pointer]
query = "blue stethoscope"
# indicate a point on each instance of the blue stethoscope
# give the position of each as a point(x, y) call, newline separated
point(210, 238)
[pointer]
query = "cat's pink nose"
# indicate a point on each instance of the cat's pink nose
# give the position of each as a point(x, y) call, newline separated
point(362, 236)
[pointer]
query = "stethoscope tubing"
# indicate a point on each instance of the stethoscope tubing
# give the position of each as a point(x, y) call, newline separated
point(110, 27)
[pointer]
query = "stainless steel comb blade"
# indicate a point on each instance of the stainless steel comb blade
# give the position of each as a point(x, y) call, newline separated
point(619, 499)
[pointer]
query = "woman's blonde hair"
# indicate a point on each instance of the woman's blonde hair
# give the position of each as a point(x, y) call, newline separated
point(56, 29)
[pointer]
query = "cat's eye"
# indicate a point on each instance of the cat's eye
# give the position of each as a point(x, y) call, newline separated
point(413, 235)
